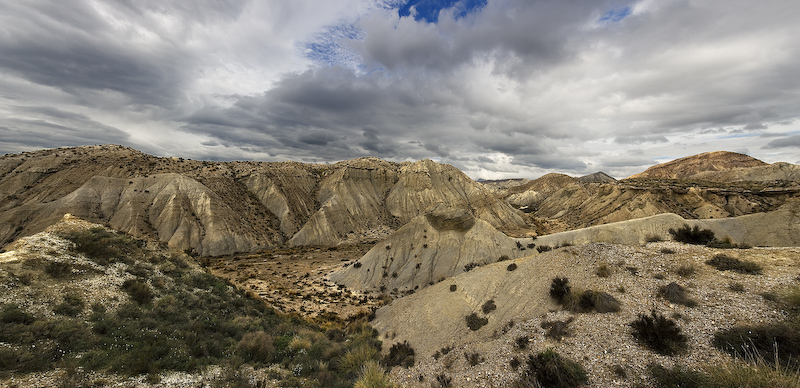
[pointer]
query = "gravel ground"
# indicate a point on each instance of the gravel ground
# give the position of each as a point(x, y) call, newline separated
point(601, 342)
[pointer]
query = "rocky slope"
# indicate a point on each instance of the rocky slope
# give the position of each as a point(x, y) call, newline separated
point(434, 318)
point(684, 168)
point(215, 208)
point(436, 245)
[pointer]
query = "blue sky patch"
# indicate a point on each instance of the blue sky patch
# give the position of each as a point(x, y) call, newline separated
point(615, 15)
point(325, 47)
point(428, 10)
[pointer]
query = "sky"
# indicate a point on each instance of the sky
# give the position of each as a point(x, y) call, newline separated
point(498, 88)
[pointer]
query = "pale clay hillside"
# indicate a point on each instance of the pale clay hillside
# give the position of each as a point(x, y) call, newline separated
point(370, 273)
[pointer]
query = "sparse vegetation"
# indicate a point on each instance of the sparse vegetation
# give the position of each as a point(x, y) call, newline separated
point(560, 289)
point(736, 287)
point(686, 270)
point(488, 306)
point(71, 306)
point(667, 251)
point(771, 341)
point(522, 342)
point(689, 235)
point(557, 329)
point(503, 258)
point(453, 287)
point(724, 262)
point(442, 381)
point(675, 293)
point(543, 248)
point(511, 267)
point(550, 369)
point(471, 266)
point(653, 238)
point(475, 322)
point(603, 270)
point(590, 300)
point(474, 358)
point(400, 354)
point(659, 333)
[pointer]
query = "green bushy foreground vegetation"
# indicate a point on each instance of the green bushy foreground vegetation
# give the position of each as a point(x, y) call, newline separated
point(176, 318)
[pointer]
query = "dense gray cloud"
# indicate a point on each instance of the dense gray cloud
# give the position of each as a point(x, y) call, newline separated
point(515, 88)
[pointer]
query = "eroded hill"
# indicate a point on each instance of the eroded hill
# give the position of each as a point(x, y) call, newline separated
point(214, 208)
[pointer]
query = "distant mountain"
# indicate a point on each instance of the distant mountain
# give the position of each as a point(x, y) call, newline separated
point(685, 168)
point(216, 208)
point(598, 177)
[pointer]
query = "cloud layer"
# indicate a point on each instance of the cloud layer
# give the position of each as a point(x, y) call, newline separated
point(498, 88)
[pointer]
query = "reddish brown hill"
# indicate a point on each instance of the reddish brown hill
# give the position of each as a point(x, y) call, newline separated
point(684, 168)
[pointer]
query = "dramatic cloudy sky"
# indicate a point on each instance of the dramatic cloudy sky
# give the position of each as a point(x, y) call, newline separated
point(498, 88)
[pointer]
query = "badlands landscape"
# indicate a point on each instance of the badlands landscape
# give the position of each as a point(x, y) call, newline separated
point(124, 269)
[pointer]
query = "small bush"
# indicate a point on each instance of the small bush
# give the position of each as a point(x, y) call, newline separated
point(736, 287)
point(543, 248)
point(560, 289)
point(443, 381)
point(514, 363)
point(653, 238)
point(675, 293)
point(357, 264)
point(689, 235)
point(678, 376)
point(667, 251)
point(350, 363)
point(58, 270)
point(138, 291)
point(549, 369)
point(471, 266)
point(474, 322)
point(256, 347)
point(511, 267)
point(102, 246)
point(71, 306)
point(474, 358)
point(14, 315)
point(488, 307)
point(724, 262)
point(453, 287)
point(659, 333)
point(503, 258)
point(522, 342)
point(603, 271)
point(589, 300)
point(686, 270)
point(373, 376)
point(767, 341)
point(557, 329)
point(400, 354)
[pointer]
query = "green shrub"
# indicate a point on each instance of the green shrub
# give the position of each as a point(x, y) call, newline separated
point(352, 361)
point(675, 293)
point(659, 333)
point(724, 262)
point(400, 354)
point(689, 235)
point(474, 322)
point(549, 369)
